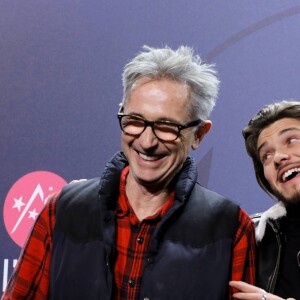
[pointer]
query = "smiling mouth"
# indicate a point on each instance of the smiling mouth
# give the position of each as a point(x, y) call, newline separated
point(149, 157)
point(290, 174)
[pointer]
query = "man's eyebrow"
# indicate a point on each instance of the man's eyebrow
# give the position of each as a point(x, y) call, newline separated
point(162, 119)
point(261, 146)
point(279, 134)
point(288, 129)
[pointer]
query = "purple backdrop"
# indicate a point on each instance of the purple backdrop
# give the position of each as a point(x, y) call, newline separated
point(60, 81)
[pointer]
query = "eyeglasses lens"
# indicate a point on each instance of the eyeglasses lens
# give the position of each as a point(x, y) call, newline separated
point(162, 130)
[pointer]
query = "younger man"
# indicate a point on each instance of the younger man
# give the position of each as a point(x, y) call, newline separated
point(272, 140)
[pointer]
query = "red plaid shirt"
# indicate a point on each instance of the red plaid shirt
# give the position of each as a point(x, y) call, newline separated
point(30, 278)
point(133, 238)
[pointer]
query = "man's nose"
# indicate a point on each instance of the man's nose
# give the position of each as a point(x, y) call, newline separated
point(147, 138)
point(280, 156)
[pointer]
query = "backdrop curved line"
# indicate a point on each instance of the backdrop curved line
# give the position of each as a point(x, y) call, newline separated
point(251, 29)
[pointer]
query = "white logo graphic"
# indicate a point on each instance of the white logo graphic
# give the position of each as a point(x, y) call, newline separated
point(25, 200)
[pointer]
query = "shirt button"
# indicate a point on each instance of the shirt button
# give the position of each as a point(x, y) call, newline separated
point(140, 240)
point(150, 260)
point(131, 283)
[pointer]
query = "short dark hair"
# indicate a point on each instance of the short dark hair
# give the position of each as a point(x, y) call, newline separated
point(264, 118)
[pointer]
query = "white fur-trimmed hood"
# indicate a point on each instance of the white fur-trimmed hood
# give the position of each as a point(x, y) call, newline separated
point(275, 212)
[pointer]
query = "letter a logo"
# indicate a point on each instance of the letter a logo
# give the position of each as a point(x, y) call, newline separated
point(25, 200)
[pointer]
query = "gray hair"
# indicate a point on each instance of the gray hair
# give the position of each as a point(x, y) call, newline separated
point(180, 65)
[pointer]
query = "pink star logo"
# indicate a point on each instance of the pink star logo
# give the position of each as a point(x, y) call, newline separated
point(25, 200)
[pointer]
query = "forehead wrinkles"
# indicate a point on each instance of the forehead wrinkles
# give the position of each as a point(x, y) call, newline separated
point(267, 134)
point(182, 89)
point(274, 131)
point(164, 91)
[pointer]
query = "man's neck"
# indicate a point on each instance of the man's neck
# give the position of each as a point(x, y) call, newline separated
point(293, 210)
point(145, 202)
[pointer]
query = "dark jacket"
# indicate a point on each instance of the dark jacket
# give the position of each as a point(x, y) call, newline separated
point(269, 240)
point(189, 256)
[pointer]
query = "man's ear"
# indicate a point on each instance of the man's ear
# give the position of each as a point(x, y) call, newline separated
point(202, 130)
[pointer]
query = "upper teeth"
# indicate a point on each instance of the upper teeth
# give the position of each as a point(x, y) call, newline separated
point(289, 173)
point(147, 157)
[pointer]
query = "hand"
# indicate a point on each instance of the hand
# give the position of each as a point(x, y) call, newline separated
point(251, 292)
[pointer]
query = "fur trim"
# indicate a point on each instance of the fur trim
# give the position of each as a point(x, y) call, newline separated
point(275, 212)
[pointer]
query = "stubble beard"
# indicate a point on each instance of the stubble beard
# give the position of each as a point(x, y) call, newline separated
point(293, 200)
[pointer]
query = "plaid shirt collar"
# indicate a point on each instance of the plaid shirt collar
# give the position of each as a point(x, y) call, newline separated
point(124, 207)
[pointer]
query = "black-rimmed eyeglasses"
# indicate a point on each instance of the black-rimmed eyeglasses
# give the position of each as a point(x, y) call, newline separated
point(163, 130)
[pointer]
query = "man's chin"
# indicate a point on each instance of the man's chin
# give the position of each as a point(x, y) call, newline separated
point(292, 200)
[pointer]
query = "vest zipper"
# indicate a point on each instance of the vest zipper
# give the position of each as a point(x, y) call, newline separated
point(275, 273)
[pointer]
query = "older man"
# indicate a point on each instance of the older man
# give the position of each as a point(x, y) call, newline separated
point(146, 229)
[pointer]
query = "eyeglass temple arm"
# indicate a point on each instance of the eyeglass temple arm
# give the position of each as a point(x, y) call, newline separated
point(121, 108)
